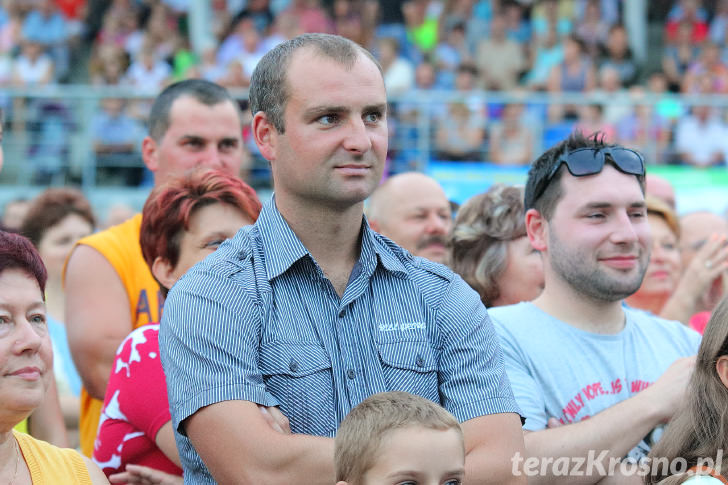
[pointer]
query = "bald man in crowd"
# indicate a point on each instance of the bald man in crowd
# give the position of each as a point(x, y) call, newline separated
point(412, 210)
point(661, 188)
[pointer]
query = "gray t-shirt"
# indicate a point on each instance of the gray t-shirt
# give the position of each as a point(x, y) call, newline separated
point(557, 370)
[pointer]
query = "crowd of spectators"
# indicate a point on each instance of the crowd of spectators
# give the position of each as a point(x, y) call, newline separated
point(507, 259)
point(462, 48)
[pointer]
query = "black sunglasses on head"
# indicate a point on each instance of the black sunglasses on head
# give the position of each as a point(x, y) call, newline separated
point(590, 161)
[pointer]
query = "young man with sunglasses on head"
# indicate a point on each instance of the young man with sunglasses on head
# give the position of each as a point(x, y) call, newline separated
point(576, 351)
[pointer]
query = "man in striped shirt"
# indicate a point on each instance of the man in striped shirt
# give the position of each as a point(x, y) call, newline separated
point(310, 310)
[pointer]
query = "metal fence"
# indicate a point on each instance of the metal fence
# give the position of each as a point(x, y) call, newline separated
point(77, 134)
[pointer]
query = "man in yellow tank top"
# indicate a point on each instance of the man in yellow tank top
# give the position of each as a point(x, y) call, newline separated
point(109, 288)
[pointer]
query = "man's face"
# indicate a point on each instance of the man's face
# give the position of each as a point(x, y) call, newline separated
point(598, 236)
point(335, 142)
point(198, 136)
point(418, 218)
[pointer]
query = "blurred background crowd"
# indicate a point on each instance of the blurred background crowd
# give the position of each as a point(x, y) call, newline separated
point(488, 81)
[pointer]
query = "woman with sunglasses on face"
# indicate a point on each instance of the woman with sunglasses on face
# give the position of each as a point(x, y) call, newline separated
point(26, 370)
point(183, 221)
point(699, 431)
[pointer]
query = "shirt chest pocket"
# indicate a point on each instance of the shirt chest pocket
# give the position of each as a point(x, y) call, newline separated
point(299, 375)
point(410, 366)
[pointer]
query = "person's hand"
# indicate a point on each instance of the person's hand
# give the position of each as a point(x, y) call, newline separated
point(709, 263)
point(276, 419)
point(668, 392)
point(143, 475)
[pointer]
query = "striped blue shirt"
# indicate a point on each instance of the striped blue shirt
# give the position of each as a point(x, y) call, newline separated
point(258, 321)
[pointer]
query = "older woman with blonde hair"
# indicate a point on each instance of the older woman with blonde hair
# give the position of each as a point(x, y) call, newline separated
point(490, 249)
point(26, 362)
point(668, 289)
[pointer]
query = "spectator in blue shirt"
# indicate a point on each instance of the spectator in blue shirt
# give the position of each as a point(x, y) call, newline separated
point(312, 311)
point(116, 138)
point(47, 26)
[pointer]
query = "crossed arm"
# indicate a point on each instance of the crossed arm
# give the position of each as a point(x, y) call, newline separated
point(246, 449)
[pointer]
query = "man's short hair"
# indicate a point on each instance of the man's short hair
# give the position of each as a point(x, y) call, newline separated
point(268, 89)
point(362, 431)
point(550, 190)
point(205, 92)
point(479, 242)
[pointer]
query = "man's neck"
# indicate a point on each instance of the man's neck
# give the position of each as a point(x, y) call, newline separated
point(564, 303)
point(330, 235)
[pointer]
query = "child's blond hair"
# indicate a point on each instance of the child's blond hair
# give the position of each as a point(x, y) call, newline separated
point(360, 434)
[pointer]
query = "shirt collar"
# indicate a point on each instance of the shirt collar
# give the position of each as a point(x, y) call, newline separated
point(283, 248)
point(281, 245)
point(372, 242)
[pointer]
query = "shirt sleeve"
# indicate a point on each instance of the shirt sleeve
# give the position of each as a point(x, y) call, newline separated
point(473, 381)
point(209, 344)
point(526, 389)
point(138, 367)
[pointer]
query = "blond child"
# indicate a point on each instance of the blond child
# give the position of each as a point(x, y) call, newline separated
point(395, 438)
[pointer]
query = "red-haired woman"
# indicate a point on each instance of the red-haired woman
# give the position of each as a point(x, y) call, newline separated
point(182, 222)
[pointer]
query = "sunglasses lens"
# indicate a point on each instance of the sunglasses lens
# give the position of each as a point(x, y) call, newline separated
point(628, 161)
point(585, 162)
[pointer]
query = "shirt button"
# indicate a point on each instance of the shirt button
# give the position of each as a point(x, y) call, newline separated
point(293, 366)
point(342, 313)
point(420, 361)
point(351, 373)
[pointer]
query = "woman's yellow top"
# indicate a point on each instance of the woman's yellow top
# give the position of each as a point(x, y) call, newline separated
point(50, 465)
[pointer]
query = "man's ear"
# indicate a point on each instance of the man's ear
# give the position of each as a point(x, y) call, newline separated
point(537, 229)
point(164, 272)
point(149, 153)
point(721, 368)
point(265, 135)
